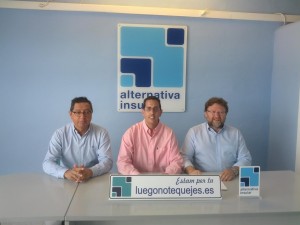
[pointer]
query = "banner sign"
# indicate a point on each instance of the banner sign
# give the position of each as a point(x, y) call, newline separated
point(177, 187)
point(249, 181)
point(151, 61)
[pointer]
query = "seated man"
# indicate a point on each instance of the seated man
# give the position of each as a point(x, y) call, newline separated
point(79, 150)
point(149, 146)
point(214, 146)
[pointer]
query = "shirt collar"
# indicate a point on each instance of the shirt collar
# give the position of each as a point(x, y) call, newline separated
point(76, 132)
point(148, 130)
point(212, 130)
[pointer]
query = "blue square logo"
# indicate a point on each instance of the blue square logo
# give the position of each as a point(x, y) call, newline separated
point(151, 61)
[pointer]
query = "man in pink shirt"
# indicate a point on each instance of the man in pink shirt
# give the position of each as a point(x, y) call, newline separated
point(149, 146)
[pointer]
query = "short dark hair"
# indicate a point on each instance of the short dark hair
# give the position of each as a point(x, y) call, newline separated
point(216, 100)
point(80, 100)
point(151, 98)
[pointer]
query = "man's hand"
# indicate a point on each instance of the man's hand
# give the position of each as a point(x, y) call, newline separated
point(227, 175)
point(190, 170)
point(78, 174)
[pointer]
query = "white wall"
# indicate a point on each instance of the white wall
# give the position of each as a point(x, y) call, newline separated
point(297, 162)
point(284, 132)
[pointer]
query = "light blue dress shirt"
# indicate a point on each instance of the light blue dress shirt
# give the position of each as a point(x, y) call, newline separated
point(67, 148)
point(209, 151)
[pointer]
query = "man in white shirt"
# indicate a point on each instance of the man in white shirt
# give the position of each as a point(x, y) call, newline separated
point(213, 146)
point(79, 150)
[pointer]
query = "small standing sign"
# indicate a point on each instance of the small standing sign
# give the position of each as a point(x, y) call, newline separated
point(249, 181)
point(178, 187)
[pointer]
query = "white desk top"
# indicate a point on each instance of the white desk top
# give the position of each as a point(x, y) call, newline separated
point(279, 194)
point(34, 197)
point(39, 197)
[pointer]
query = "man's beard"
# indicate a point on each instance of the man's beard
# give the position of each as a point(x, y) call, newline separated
point(216, 124)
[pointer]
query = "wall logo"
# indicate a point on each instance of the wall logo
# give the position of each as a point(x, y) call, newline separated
point(151, 61)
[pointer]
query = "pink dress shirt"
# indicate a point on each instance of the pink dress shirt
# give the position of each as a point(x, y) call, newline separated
point(142, 153)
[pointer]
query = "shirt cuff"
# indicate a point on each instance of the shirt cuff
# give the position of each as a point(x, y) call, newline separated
point(61, 173)
point(95, 171)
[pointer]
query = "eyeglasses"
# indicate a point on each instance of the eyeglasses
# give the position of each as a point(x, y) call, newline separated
point(84, 113)
point(154, 109)
point(222, 113)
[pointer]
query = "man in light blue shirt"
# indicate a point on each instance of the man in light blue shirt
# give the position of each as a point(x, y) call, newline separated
point(79, 150)
point(213, 146)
